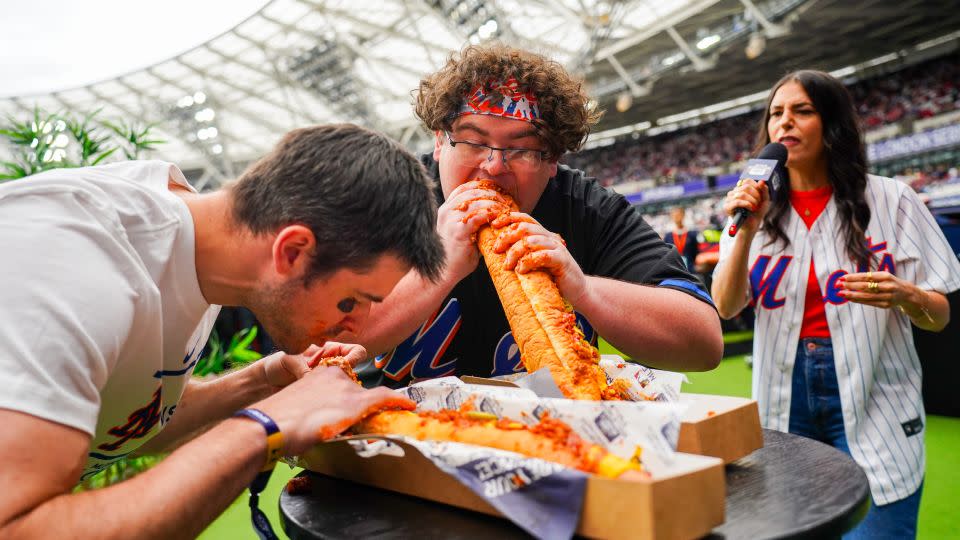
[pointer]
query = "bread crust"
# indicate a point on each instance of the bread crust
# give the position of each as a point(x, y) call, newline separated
point(550, 439)
point(543, 323)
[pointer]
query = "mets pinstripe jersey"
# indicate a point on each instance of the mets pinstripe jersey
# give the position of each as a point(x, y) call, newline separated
point(877, 366)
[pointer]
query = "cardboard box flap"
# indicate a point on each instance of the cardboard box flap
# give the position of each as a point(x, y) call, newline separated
point(721, 426)
point(726, 427)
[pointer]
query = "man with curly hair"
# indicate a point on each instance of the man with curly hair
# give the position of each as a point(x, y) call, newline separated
point(509, 115)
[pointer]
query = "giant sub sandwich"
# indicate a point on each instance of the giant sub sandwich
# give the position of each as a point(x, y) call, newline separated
point(543, 323)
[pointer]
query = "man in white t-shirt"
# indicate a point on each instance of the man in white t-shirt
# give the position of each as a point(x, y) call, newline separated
point(111, 280)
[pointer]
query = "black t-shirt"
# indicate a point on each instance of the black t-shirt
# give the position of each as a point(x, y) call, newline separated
point(469, 334)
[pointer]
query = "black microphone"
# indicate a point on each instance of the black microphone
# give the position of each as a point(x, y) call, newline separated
point(766, 167)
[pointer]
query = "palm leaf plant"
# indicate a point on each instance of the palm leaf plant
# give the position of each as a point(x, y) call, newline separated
point(224, 357)
point(92, 145)
point(63, 139)
point(118, 472)
point(32, 144)
point(133, 139)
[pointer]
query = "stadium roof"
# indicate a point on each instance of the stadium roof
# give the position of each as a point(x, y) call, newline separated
point(298, 62)
point(863, 38)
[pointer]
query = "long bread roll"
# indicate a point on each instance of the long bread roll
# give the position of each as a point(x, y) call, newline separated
point(550, 440)
point(543, 324)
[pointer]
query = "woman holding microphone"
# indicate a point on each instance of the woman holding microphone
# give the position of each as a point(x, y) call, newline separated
point(838, 265)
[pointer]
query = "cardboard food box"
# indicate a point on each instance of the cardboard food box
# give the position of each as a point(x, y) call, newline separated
point(720, 426)
point(686, 502)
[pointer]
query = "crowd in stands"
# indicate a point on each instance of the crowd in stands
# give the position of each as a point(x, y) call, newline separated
point(927, 89)
point(924, 177)
point(672, 157)
point(920, 91)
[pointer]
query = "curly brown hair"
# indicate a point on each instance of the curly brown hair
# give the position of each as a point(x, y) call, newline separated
point(566, 113)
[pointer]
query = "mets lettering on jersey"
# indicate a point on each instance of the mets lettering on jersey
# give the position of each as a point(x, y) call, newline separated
point(142, 415)
point(877, 366)
point(421, 356)
point(764, 284)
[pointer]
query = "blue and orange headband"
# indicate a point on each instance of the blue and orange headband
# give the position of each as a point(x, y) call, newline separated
point(500, 98)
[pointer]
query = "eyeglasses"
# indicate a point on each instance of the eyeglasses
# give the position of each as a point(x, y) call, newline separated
point(524, 159)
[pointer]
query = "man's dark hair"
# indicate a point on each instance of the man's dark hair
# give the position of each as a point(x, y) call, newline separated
point(359, 192)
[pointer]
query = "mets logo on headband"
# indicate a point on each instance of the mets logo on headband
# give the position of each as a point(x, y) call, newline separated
point(498, 98)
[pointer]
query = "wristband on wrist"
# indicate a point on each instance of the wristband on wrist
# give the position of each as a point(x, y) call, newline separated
point(274, 436)
point(261, 524)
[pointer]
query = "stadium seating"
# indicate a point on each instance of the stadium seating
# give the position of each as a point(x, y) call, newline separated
point(916, 93)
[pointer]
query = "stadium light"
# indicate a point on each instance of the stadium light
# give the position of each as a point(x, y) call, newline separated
point(708, 42)
point(843, 72)
point(672, 59)
point(194, 117)
point(475, 18)
point(946, 38)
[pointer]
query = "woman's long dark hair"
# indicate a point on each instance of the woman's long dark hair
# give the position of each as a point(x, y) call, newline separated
point(846, 160)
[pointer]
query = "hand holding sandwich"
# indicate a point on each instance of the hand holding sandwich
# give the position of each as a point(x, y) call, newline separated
point(468, 208)
point(322, 404)
point(528, 246)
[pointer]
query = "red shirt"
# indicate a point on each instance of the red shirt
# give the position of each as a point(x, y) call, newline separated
point(680, 240)
point(810, 204)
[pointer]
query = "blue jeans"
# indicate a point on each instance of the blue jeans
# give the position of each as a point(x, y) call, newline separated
point(815, 412)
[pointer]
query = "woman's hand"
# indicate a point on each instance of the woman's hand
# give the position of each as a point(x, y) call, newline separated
point(879, 289)
point(928, 310)
point(752, 195)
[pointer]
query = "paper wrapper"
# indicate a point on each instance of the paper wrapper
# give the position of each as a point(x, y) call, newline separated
point(618, 426)
point(644, 384)
point(541, 497)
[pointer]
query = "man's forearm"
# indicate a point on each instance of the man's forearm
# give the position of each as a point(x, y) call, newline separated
point(206, 402)
point(176, 499)
point(406, 308)
point(658, 326)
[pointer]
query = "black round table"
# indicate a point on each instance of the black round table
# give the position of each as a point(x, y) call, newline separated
point(793, 487)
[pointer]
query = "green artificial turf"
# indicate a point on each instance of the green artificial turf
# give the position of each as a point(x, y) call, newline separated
point(941, 489)
point(732, 378)
point(737, 337)
point(234, 523)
